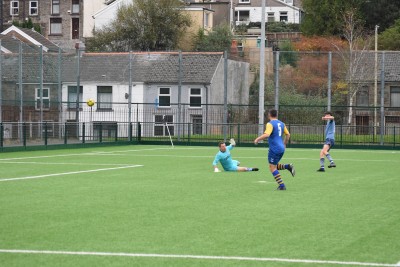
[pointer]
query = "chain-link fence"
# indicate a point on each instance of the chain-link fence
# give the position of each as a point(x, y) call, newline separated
point(137, 95)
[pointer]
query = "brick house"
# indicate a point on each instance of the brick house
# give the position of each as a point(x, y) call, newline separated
point(60, 21)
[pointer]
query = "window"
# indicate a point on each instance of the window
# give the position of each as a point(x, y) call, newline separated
point(240, 46)
point(14, 8)
point(164, 97)
point(160, 125)
point(55, 7)
point(289, 2)
point(395, 96)
point(75, 6)
point(244, 1)
point(283, 16)
point(45, 98)
point(197, 124)
point(271, 16)
point(195, 97)
point(72, 96)
point(243, 15)
point(104, 97)
point(55, 26)
point(206, 18)
point(33, 8)
point(363, 97)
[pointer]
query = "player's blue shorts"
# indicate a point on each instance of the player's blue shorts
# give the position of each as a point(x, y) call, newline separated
point(233, 167)
point(274, 158)
point(329, 142)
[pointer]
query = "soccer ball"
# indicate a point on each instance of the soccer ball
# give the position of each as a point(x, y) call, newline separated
point(90, 102)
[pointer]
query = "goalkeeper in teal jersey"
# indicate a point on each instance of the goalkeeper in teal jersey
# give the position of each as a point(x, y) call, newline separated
point(224, 157)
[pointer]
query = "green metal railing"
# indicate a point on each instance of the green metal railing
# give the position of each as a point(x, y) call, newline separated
point(25, 136)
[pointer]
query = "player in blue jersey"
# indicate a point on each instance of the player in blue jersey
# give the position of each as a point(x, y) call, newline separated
point(329, 142)
point(224, 157)
point(274, 131)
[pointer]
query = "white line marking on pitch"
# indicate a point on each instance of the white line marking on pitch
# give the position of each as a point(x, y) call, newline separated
point(63, 163)
point(201, 257)
point(66, 173)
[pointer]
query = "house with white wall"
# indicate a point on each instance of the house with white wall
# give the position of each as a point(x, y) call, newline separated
point(183, 87)
point(247, 11)
point(90, 8)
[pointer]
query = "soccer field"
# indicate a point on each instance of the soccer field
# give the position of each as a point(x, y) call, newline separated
point(163, 206)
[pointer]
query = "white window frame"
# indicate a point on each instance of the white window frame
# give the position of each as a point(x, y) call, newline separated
point(36, 8)
point(71, 99)
point(271, 15)
point(395, 90)
point(14, 10)
point(362, 94)
point(164, 95)
point(75, 8)
point(53, 4)
point(242, 11)
point(101, 104)
point(195, 96)
point(240, 46)
point(171, 126)
point(206, 19)
point(37, 98)
point(52, 25)
point(284, 13)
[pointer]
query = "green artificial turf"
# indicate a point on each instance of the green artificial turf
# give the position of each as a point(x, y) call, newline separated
point(93, 200)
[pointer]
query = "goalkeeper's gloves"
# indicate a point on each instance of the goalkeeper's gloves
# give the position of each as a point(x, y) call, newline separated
point(216, 170)
point(232, 141)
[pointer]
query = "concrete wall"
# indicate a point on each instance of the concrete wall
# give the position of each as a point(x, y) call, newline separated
point(238, 83)
point(90, 8)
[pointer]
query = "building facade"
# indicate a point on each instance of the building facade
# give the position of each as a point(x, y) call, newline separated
point(60, 21)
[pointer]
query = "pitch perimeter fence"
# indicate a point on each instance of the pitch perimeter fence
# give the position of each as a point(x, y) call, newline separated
point(40, 104)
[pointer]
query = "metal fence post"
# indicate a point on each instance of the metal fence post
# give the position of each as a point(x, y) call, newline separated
point(101, 132)
point(189, 133)
point(45, 133)
point(1, 134)
point(21, 108)
point(130, 132)
point(139, 132)
point(59, 90)
point(83, 132)
point(65, 134)
point(277, 80)
point(382, 97)
point(24, 134)
point(1, 86)
point(41, 88)
point(329, 81)
point(341, 135)
point(225, 116)
point(179, 94)
point(238, 133)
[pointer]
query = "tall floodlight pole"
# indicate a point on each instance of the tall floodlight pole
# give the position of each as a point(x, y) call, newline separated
point(21, 96)
point(376, 80)
point(329, 81)
point(1, 87)
point(41, 89)
point(262, 73)
point(382, 97)
point(231, 15)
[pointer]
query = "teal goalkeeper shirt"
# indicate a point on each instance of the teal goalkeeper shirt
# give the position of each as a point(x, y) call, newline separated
point(224, 157)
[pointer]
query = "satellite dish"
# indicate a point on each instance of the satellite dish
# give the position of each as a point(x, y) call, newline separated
point(126, 95)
